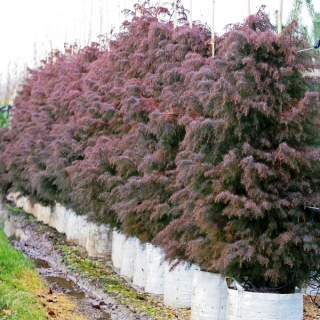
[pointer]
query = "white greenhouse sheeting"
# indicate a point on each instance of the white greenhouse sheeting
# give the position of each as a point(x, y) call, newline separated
point(154, 270)
point(178, 285)
point(209, 296)
point(267, 306)
point(140, 264)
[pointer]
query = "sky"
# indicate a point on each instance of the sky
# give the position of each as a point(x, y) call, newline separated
point(31, 28)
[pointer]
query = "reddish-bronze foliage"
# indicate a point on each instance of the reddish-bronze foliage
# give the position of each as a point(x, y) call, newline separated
point(247, 170)
point(213, 159)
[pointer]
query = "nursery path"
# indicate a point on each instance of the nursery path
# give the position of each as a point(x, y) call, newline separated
point(59, 262)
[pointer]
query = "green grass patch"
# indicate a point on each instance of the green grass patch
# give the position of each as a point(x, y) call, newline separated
point(21, 212)
point(23, 293)
point(19, 285)
point(14, 209)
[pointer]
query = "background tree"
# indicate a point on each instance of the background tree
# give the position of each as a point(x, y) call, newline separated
point(296, 14)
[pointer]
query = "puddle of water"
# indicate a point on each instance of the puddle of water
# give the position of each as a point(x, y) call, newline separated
point(69, 285)
point(39, 263)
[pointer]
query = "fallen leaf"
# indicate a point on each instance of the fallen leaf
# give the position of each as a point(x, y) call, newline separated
point(51, 313)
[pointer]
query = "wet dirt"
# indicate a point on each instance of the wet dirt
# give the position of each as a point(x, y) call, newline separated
point(61, 284)
point(39, 242)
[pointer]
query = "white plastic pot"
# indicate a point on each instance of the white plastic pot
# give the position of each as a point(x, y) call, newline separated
point(271, 306)
point(9, 229)
point(27, 206)
point(117, 247)
point(155, 270)
point(59, 219)
point(178, 285)
point(128, 256)
point(140, 265)
point(209, 296)
point(43, 214)
point(12, 196)
point(20, 201)
point(83, 230)
point(99, 241)
point(72, 227)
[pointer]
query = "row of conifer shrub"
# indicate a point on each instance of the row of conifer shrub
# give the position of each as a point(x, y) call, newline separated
point(212, 159)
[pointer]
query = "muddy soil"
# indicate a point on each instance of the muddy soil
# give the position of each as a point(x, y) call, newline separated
point(40, 243)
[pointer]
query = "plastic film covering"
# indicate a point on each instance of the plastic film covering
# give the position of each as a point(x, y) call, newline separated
point(209, 296)
point(99, 241)
point(128, 257)
point(154, 270)
point(140, 264)
point(312, 288)
point(117, 247)
point(267, 306)
point(178, 285)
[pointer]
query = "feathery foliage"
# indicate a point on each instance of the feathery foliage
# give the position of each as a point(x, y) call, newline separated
point(212, 159)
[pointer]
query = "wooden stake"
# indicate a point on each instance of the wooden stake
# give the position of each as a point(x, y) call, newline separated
point(248, 8)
